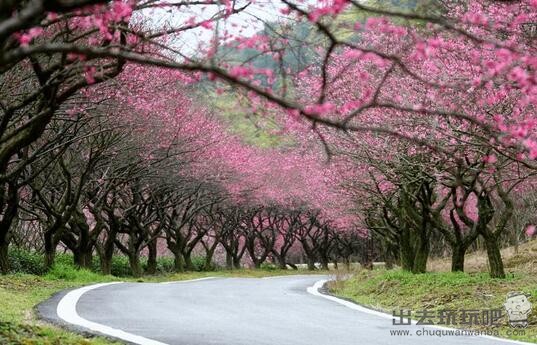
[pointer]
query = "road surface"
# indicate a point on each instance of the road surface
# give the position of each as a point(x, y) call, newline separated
point(231, 311)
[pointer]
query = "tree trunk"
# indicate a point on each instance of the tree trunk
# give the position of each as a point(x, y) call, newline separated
point(108, 252)
point(189, 266)
point(178, 261)
point(310, 255)
point(83, 258)
point(10, 213)
point(407, 257)
point(494, 256)
point(237, 263)
point(457, 258)
point(280, 259)
point(347, 262)
point(84, 245)
point(4, 258)
point(152, 257)
point(389, 261)
point(229, 261)
point(422, 254)
point(208, 265)
point(106, 259)
point(106, 265)
point(136, 267)
point(50, 249)
point(324, 262)
point(50, 256)
point(311, 263)
point(88, 258)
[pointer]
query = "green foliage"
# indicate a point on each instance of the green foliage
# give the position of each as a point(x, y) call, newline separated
point(268, 266)
point(390, 290)
point(254, 129)
point(198, 263)
point(165, 264)
point(64, 259)
point(23, 334)
point(296, 57)
point(120, 266)
point(27, 262)
point(62, 271)
point(23, 261)
point(415, 7)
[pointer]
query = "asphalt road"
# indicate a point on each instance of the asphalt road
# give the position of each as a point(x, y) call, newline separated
point(231, 311)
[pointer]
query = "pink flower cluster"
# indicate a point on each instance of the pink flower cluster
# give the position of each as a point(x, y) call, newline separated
point(320, 109)
point(331, 7)
point(89, 74)
point(530, 230)
point(247, 72)
point(102, 16)
point(27, 37)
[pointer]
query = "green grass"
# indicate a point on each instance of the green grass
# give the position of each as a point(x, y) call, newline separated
point(19, 293)
point(258, 129)
point(395, 290)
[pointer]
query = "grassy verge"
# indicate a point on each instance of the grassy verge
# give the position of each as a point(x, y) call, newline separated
point(398, 290)
point(19, 293)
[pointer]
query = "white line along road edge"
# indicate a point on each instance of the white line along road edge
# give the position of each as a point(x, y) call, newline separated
point(66, 311)
point(314, 290)
point(188, 281)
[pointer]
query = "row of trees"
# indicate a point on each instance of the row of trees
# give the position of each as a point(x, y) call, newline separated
point(97, 193)
point(428, 112)
point(120, 171)
point(438, 125)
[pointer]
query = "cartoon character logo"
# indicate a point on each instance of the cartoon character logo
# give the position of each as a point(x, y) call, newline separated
point(518, 308)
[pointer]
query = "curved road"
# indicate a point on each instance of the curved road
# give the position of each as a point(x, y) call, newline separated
point(231, 311)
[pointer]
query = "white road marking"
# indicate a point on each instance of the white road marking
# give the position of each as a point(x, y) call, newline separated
point(66, 310)
point(314, 290)
point(188, 281)
point(292, 276)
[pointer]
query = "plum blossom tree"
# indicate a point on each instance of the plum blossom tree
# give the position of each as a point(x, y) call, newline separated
point(458, 85)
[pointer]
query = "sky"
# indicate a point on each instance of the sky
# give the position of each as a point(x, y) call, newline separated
point(245, 24)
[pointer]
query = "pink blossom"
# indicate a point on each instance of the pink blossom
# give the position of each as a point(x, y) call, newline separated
point(293, 113)
point(530, 230)
point(285, 10)
point(132, 40)
point(26, 38)
point(120, 10)
point(76, 57)
point(229, 7)
point(490, 159)
point(320, 109)
point(476, 18)
point(331, 8)
point(52, 16)
point(89, 74)
point(240, 71)
point(207, 24)
point(353, 54)
point(531, 146)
